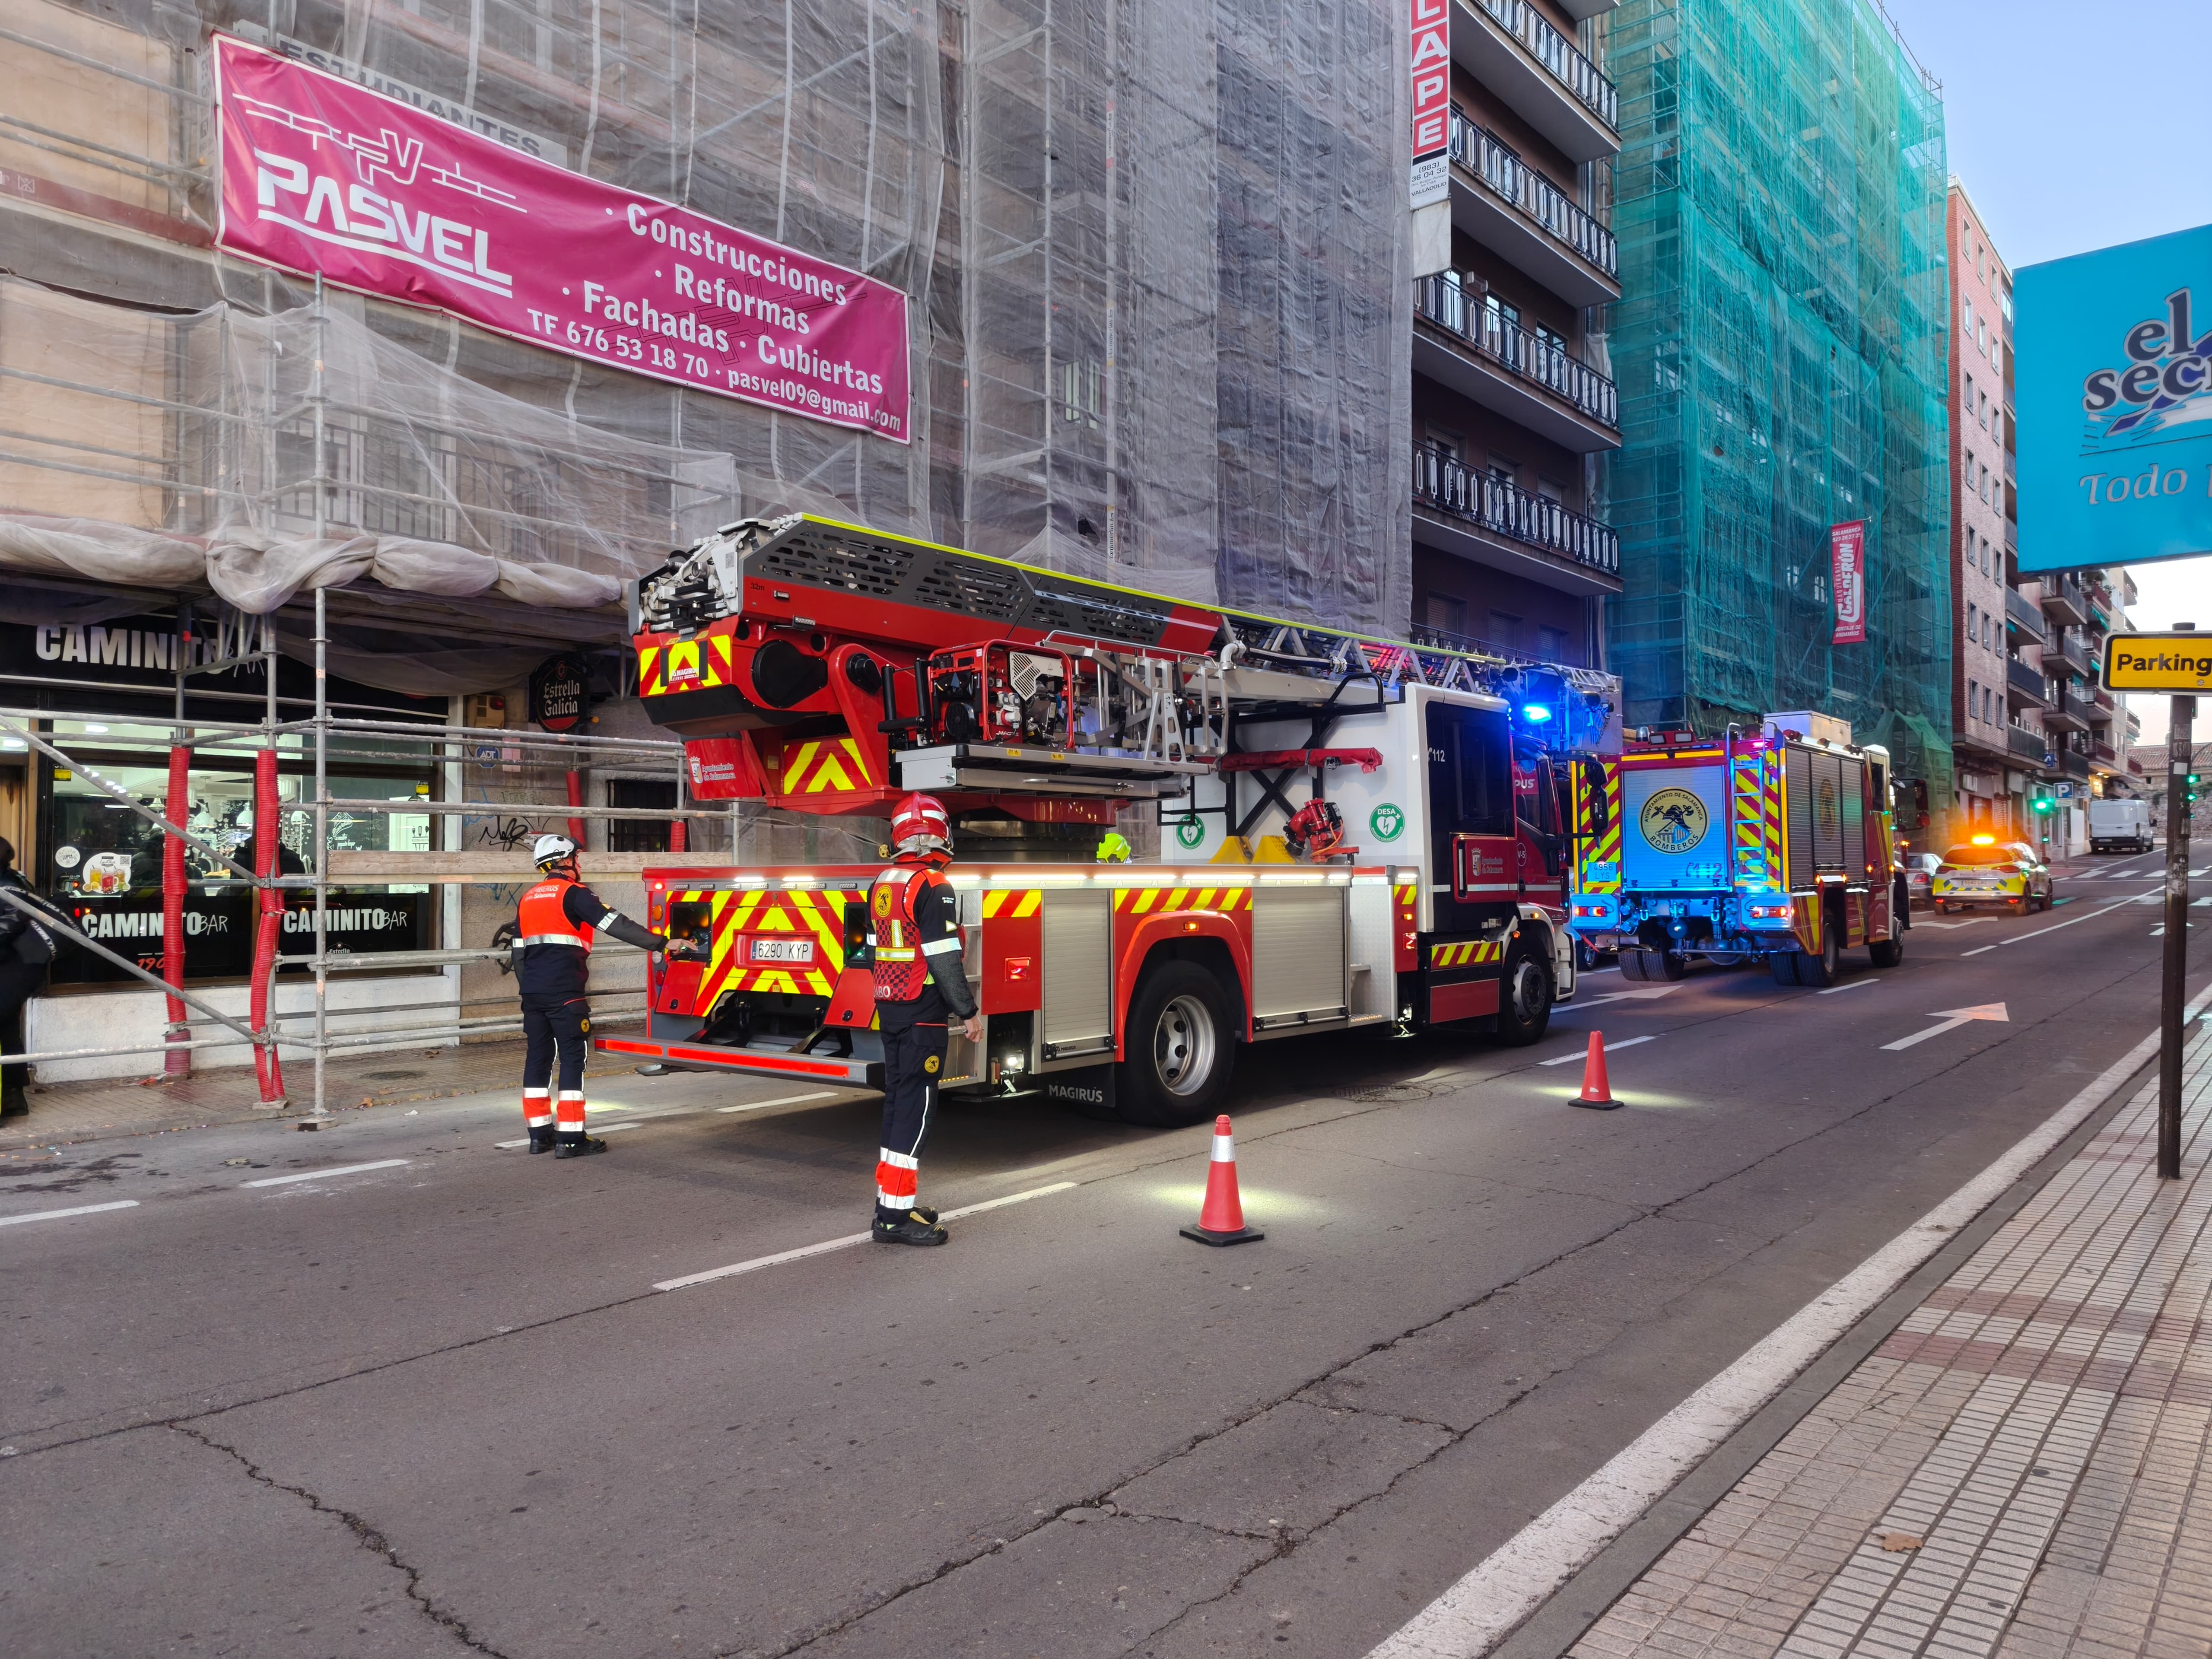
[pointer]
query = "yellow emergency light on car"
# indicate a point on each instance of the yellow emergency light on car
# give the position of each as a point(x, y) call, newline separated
point(1986, 841)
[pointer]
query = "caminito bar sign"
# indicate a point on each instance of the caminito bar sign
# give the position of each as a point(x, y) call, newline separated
point(2178, 663)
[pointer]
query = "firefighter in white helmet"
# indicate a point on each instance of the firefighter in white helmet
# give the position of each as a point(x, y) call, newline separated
point(914, 952)
point(552, 955)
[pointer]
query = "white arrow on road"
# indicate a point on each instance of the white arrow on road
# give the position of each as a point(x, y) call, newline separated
point(1643, 995)
point(1952, 1019)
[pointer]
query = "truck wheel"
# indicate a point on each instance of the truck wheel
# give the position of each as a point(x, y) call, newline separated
point(1820, 972)
point(1887, 952)
point(1783, 965)
point(1524, 998)
point(1631, 964)
point(1182, 1047)
point(1666, 965)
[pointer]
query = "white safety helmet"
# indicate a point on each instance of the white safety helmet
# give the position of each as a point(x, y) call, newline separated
point(552, 849)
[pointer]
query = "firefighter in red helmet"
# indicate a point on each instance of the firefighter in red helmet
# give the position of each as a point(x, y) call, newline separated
point(914, 952)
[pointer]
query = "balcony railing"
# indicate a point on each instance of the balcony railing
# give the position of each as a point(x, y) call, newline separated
point(2073, 765)
point(2063, 597)
point(2075, 656)
point(2026, 617)
point(1558, 54)
point(2105, 754)
point(1455, 304)
point(1504, 508)
point(1444, 640)
point(1494, 162)
point(2030, 746)
point(2030, 683)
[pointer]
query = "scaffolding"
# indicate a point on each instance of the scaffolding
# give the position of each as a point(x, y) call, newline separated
point(187, 737)
point(1781, 348)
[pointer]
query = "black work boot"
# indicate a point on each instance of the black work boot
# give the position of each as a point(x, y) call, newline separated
point(14, 1103)
point(922, 1212)
point(579, 1144)
point(909, 1229)
point(542, 1140)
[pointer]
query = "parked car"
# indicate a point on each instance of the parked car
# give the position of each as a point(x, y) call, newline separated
point(1920, 870)
point(1986, 873)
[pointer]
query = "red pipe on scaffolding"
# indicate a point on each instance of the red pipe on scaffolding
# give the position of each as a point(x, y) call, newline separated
point(178, 1062)
point(269, 903)
point(576, 798)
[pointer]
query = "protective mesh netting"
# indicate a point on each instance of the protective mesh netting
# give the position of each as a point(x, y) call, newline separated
point(1779, 202)
point(1156, 252)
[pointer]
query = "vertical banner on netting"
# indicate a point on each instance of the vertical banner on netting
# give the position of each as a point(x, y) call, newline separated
point(1847, 560)
point(323, 177)
point(1432, 69)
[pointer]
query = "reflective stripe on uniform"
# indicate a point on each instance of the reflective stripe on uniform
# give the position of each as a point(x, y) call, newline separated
point(897, 1160)
point(938, 947)
point(551, 939)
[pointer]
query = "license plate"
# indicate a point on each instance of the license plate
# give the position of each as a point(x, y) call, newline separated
point(783, 950)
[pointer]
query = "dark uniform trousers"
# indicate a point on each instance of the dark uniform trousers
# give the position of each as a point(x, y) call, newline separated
point(555, 1027)
point(914, 1055)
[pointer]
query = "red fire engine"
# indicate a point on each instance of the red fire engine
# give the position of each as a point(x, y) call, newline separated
point(1356, 834)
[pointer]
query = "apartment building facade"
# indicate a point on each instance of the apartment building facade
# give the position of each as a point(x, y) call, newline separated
point(1513, 398)
point(2030, 722)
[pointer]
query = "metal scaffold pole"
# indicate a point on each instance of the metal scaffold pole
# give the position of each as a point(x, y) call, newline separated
point(2179, 751)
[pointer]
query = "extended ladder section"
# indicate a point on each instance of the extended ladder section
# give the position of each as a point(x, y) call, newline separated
point(831, 668)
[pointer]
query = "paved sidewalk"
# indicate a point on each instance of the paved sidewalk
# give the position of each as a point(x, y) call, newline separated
point(2023, 1469)
point(65, 1113)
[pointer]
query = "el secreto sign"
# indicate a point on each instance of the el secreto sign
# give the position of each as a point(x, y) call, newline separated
point(320, 176)
point(2114, 355)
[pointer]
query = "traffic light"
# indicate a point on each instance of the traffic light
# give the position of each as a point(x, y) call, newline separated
point(2042, 804)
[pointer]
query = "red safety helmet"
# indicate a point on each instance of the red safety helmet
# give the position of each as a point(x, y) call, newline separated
point(921, 829)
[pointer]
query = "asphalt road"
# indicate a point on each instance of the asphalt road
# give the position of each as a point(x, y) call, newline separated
point(438, 1406)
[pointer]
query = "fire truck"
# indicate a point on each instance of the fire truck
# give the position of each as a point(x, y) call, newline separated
point(1356, 834)
point(1775, 846)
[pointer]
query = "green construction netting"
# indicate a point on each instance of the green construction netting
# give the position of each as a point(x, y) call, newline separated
point(1780, 347)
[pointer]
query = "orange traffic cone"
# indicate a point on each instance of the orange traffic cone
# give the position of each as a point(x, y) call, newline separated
point(1597, 1088)
point(1221, 1220)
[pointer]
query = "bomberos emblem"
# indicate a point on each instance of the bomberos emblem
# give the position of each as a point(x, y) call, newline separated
point(1673, 820)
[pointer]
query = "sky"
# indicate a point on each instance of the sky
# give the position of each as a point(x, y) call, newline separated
point(2076, 127)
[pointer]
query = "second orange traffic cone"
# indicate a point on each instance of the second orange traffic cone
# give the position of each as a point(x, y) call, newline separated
point(1221, 1219)
point(1597, 1088)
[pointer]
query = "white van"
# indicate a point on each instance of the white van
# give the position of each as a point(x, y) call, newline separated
point(2119, 826)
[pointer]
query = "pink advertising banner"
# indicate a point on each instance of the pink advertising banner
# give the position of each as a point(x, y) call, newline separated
point(1847, 554)
point(323, 176)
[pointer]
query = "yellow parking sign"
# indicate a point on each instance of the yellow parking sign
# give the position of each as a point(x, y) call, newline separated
point(2180, 663)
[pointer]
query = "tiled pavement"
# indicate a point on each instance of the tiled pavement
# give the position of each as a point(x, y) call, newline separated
point(2023, 1469)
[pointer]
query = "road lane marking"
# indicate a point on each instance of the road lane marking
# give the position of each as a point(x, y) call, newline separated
point(1501, 1591)
point(1970, 921)
point(1952, 1019)
point(1856, 985)
point(75, 1209)
point(327, 1175)
point(2087, 915)
point(780, 1100)
point(1642, 994)
point(849, 1240)
point(1625, 1042)
point(1963, 955)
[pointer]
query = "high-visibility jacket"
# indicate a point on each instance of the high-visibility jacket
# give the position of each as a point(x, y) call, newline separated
point(900, 954)
point(543, 918)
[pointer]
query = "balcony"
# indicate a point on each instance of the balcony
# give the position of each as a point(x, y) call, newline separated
point(2068, 711)
point(1493, 522)
point(2028, 686)
point(2073, 765)
point(2063, 598)
point(1530, 380)
point(1508, 47)
point(2104, 754)
point(1444, 640)
point(2030, 746)
point(2135, 766)
point(2075, 656)
point(1527, 221)
point(2026, 619)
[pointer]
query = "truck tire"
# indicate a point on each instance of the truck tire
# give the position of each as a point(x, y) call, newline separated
point(1524, 997)
point(1631, 963)
point(1821, 971)
point(1667, 965)
point(1887, 952)
point(1182, 1049)
point(1782, 966)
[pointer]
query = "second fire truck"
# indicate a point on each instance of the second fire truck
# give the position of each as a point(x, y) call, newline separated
point(1356, 834)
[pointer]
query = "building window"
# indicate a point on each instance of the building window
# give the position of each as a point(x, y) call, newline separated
point(1442, 611)
point(1551, 644)
point(1504, 631)
point(1973, 624)
point(1973, 700)
point(640, 834)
